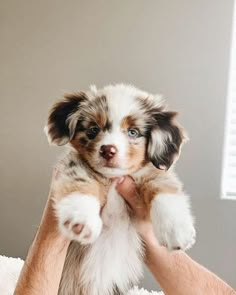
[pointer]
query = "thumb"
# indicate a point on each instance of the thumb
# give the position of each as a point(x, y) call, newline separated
point(127, 189)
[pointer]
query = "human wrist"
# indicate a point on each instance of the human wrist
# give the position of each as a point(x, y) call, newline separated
point(150, 239)
point(147, 234)
point(145, 229)
point(48, 229)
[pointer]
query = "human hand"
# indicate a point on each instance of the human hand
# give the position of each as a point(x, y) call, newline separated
point(138, 208)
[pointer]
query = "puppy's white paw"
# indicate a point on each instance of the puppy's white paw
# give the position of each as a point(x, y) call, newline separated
point(178, 236)
point(173, 222)
point(78, 217)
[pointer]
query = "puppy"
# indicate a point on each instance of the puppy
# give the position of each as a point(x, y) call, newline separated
point(118, 130)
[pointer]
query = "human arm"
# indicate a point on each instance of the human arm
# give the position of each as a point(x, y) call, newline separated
point(44, 263)
point(175, 271)
point(178, 274)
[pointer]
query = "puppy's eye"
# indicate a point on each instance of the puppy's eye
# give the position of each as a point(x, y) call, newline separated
point(133, 133)
point(92, 132)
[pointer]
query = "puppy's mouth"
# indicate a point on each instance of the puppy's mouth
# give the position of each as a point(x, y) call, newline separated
point(111, 163)
point(114, 167)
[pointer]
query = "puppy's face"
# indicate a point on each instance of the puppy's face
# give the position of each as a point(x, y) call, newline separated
point(117, 130)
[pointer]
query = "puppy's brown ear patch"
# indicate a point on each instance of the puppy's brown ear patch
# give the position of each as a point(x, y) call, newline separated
point(58, 127)
point(165, 140)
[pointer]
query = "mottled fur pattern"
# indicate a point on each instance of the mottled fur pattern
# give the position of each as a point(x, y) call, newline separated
point(118, 130)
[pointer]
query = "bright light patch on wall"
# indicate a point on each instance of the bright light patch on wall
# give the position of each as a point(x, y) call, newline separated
point(229, 162)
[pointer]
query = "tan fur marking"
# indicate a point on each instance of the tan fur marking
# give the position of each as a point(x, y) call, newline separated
point(101, 119)
point(136, 156)
point(128, 122)
point(63, 189)
point(156, 182)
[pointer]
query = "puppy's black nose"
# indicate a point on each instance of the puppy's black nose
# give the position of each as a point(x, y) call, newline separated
point(108, 151)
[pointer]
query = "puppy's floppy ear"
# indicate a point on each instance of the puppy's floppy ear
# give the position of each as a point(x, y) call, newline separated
point(165, 140)
point(58, 129)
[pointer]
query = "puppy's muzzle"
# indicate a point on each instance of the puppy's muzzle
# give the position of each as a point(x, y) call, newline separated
point(108, 151)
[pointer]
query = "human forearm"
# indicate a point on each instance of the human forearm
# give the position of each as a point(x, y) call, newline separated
point(43, 267)
point(178, 274)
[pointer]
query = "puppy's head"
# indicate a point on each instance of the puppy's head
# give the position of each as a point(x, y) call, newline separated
point(117, 129)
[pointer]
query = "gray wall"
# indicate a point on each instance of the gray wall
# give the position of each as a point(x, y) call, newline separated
point(179, 48)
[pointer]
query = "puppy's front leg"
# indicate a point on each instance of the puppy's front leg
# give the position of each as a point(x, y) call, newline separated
point(173, 221)
point(79, 217)
point(78, 199)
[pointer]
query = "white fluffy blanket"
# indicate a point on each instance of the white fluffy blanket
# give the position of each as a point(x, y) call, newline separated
point(11, 267)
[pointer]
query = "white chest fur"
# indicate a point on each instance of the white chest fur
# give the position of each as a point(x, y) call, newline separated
point(115, 259)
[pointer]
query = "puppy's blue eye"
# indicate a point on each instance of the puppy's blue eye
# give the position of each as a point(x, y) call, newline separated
point(133, 133)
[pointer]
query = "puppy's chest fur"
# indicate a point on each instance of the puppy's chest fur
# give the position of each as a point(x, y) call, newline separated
point(113, 263)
